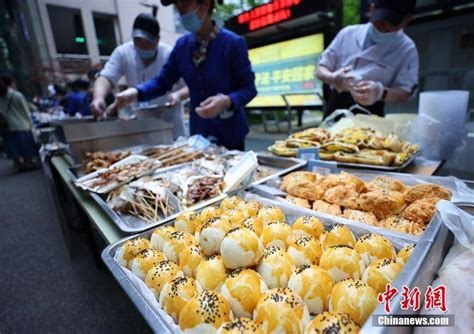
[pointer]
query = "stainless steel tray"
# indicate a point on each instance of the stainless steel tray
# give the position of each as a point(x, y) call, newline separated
point(131, 224)
point(424, 259)
point(382, 168)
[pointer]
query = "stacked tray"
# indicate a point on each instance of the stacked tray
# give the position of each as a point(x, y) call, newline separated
point(131, 224)
point(417, 271)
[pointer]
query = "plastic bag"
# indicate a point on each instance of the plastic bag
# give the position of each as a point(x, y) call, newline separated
point(456, 272)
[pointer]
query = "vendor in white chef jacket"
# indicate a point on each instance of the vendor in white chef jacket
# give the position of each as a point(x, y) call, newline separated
point(139, 61)
point(372, 64)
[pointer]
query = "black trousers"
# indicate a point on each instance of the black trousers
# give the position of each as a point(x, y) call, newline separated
point(345, 101)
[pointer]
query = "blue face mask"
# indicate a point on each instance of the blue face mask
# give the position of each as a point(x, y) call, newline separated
point(191, 22)
point(145, 54)
point(380, 38)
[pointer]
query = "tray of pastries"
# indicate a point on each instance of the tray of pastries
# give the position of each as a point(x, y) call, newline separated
point(352, 147)
point(398, 202)
point(245, 265)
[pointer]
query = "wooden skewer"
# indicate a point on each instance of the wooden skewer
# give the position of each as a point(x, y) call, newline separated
point(188, 155)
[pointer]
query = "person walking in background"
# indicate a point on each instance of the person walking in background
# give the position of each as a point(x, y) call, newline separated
point(16, 126)
point(78, 99)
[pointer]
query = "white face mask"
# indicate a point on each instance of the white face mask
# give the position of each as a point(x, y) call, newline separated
point(381, 37)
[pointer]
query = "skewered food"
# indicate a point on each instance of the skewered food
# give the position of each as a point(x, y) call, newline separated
point(98, 160)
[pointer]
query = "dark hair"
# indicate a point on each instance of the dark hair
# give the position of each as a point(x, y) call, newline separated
point(80, 84)
point(148, 23)
point(211, 7)
point(6, 81)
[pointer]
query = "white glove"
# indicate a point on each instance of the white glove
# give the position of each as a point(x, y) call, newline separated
point(122, 99)
point(338, 79)
point(367, 93)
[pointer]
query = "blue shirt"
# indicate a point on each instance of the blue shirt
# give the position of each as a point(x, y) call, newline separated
point(77, 103)
point(226, 70)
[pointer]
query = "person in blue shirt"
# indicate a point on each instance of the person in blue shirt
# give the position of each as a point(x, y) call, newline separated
point(77, 101)
point(215, 66)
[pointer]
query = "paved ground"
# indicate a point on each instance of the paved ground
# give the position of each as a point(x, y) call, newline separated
point(42, 289)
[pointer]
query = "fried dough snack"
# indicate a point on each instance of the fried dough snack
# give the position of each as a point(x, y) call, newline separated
point(306, 189)
point(421, 211)
point(385, 183)
point(382, 203)
point(297, 176)
point(361, 216)
point(426, 191)
point(344, 195)
point(399, 224)
point(330, 209)
point(304, 203)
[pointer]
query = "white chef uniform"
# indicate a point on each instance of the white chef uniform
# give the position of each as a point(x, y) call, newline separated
point(395, 64)
point(125, 61)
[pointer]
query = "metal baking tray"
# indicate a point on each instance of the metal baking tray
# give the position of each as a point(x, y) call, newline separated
point(425, 259)
point(382, 168)
point(131, 224)
point(462, 195)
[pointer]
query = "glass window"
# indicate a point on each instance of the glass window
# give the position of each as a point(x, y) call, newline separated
point(68, 30)
point(105, 30)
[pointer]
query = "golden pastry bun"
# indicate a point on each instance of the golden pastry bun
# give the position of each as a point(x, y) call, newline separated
point(190, 259)
point(251, 209)
point(231, 203)
point(177, 293)
point(342, 262)
point(380, 273)
point(334, 323)
point(405, 253)
point(161, 274)
point(188, 221)
point(243, 288)
point(271, 214)
point(176, 243)
point(309, 225)
point(130, 249)
point(241, 248)
point(373, 247)
point(145, 260)
point(313, 284)
point(210, 212)
point(355, 298)
point(305, 249)
point(211, 273)
point(277, 234)
point(205, 313)
point(276, 267)
point(211, 235)
point(297, 176)
point(240, 326)
point(160, 235)
point(235, 217)
point(336, 235)
point(386, 183)
point(255, 224)
point(281, 311)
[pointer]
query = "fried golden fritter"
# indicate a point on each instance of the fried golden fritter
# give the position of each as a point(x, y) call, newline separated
point(330, 209)
point(426, 191)
point(296, 176)
point(386, 183)
point(421, 211)
point(305, 189)
point(343, 195)
point(382, 203)
point(361, 216)
point(400, 224)
point(304, 203)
